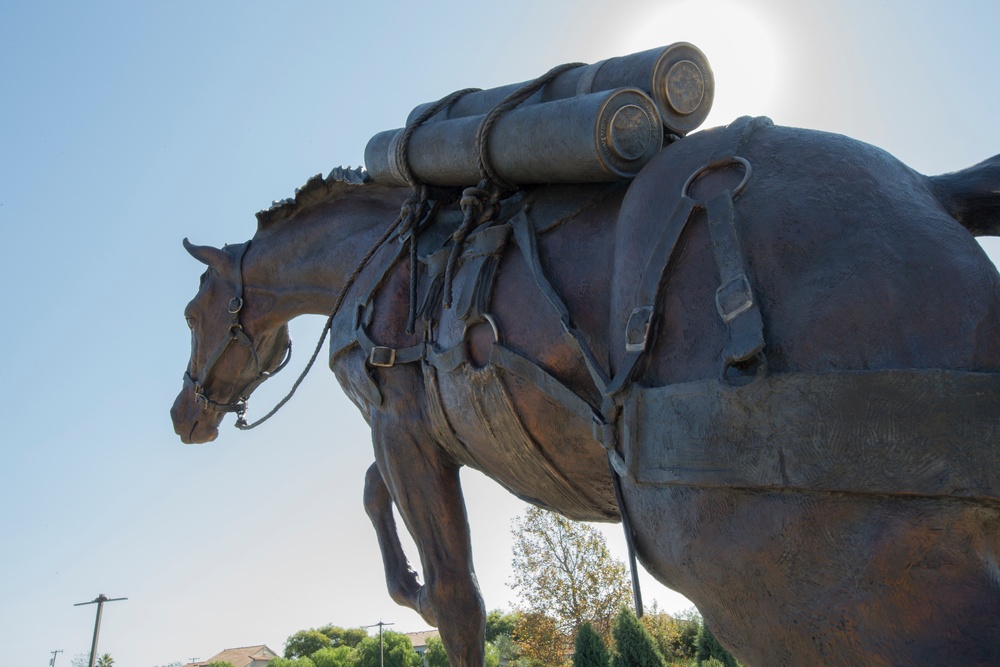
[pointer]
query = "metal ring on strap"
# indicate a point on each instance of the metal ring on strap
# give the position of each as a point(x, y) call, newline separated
point(735, 159)
point(484, 317)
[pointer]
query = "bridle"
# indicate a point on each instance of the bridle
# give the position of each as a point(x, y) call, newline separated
point(236, 333)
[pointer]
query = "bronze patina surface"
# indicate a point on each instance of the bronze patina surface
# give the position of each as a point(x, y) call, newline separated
point(691, 321)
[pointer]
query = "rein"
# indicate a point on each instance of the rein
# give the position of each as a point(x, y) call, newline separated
point(241, 422)
point(236, 333)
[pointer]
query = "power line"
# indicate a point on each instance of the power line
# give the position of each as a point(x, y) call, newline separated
point(52, 662)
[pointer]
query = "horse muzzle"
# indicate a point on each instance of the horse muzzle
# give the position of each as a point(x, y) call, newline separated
point(192, 421)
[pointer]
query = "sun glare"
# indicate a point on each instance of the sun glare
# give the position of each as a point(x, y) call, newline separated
point(741, 46)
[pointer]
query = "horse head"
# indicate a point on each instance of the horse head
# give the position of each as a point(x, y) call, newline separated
point(236, 344)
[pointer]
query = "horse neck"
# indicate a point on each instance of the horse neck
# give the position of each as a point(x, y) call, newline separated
point(304, 262)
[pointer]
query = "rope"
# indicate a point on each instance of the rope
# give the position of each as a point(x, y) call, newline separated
point(481, 204)
point(241, 422)
point(403, 147)
point(486, 170)
point(412, 208)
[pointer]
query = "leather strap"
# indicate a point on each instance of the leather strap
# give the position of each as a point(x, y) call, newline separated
point(734, 298)
point(383, 356)
point(907, 432)
point(640, 322)
point(528, 370)
point(524, 234)
point(649, 289)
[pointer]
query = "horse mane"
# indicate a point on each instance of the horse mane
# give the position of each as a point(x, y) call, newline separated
point(315, 191)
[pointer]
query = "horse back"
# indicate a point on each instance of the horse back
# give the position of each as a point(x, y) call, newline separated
point(853, 262)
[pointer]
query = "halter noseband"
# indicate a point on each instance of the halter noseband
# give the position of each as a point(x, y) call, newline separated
point(236, 333)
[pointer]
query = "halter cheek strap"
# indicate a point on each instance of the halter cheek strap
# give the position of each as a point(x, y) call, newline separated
point(236, 333)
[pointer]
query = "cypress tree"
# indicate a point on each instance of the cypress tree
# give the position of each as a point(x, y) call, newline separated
point(589, 650)
point(709, 648)
point(634, 646)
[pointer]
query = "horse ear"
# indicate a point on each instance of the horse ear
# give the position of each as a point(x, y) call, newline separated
point(207, 254)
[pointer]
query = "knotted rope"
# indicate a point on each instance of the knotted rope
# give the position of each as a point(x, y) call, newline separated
point(481, 203)
point(418, 210)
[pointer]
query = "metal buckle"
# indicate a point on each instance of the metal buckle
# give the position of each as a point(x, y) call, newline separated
point(235, 305)
point(733, 298)
point(637, 329)
point(383, 357)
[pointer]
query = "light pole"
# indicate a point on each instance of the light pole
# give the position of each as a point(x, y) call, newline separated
point(381, 648)
point(52, 662)
point(99, 601)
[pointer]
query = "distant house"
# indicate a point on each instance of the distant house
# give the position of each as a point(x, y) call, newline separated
point(247, 656)
point(420, 639)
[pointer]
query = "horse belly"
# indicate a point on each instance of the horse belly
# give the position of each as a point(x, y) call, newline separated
point(506, 428)
point(846, 517)
point(789, 578)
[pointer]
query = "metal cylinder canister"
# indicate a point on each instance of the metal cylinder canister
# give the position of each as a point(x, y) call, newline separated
point(591, 138)
point(677, 77)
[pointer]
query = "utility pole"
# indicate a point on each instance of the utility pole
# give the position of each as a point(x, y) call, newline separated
point(99, 601)
point(381, 647)
point(52, 662)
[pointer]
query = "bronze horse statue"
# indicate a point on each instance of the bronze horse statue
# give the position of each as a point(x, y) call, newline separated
point(785, 342)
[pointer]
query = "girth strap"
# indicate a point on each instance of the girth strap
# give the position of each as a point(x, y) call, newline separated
point(734, 298)
point(909, 432)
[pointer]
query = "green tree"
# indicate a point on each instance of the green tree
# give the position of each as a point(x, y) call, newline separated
point(507, 648)
point(676, 636)
point(306, 642)
point(499, 623)
point(344, 636)
point(564, 570)
point(290, 662)
point(710, 648)
point(398, 651)
point(633, 645)
point(435, 655)
point(335, 656)
point(589, 649)
point(492, 658)
point(105, 660)
point(666, 632)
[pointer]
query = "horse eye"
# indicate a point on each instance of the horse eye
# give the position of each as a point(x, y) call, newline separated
point(190, 322)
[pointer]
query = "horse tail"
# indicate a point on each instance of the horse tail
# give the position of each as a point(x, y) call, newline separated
point(972, 196)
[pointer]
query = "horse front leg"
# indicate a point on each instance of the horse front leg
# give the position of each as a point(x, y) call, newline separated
point(427, 491)
point(400, 578)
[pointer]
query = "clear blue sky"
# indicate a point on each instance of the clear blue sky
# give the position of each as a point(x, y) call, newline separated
point(126, 126)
